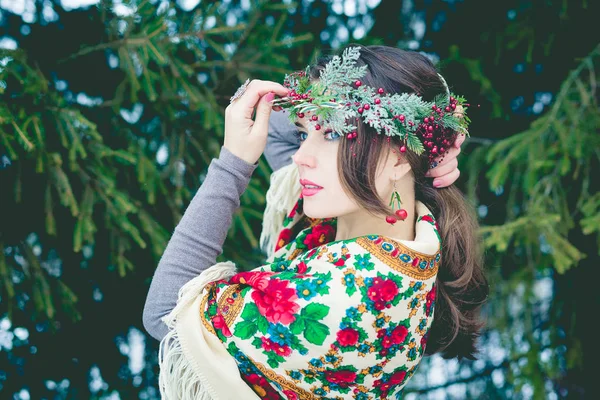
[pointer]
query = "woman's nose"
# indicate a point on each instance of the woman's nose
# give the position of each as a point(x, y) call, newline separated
point(303, 156)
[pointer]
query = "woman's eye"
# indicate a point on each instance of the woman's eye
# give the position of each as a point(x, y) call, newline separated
point(333, 135)
point(299, 136)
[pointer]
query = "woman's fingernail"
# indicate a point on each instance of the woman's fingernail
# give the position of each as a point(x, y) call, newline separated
point(269, 96)
point(436, 183)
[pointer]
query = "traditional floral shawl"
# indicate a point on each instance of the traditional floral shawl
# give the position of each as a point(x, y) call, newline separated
point(345, 319)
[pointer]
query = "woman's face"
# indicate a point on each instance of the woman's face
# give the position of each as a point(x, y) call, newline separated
point(317, 162)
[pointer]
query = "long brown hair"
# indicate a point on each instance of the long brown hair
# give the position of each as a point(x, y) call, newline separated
point(461, 284)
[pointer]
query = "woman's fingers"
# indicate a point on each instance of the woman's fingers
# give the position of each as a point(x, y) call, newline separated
point(450, 155)
point(446, 172)
point(263, 112)
point(444, 169)
point(254, 92)
point(447, 179)
point(459, 140)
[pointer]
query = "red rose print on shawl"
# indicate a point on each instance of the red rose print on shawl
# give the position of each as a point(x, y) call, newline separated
point(427, 218)
point(267, 344)
point(284, 238)
point(320, 234)
point(387, 342)
point(399, 334)
point(292, 213)
point(302, 267)
point(277, 302)
point(347, 337)
point(282, 350)
point(396, 336)
point(341, 377)
point(424, 341)
point(394, 380)
point(397, 378)
point(311, 253)
point(382, 290)
point(262, 387)
point(257, 279)
point(290, 395)
point(430, 300)
point(219, 323)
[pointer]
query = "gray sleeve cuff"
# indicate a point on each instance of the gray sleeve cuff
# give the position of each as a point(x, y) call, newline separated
point(235, 163)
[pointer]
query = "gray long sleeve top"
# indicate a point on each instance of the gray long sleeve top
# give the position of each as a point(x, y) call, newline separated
point(199, 236)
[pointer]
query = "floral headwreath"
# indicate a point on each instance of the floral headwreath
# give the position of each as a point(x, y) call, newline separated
point(339, 94)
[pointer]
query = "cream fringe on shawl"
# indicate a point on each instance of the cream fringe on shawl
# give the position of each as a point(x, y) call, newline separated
point(284, 191)
point(212, 372)
point(181, 377)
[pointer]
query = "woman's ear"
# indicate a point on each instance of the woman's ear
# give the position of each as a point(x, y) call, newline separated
point(398, 166)
point(400, 169)
point(393, 167)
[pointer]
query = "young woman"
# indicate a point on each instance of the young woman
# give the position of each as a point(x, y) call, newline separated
point(344, 306)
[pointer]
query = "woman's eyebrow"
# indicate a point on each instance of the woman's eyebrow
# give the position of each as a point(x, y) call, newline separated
point(299, 125)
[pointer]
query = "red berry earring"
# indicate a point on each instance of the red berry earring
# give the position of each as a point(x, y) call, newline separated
point(400, 213)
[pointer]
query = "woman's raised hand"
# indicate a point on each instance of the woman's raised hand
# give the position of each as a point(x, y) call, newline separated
point(244, 137)
point(446, 172)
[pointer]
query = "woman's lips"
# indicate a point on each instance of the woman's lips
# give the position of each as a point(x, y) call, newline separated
point(306, 191)
point(310, 191)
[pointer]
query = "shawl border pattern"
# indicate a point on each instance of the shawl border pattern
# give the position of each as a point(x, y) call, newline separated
point(232, 309)
point(206, 322)
point(302, 394)
point(400, 257)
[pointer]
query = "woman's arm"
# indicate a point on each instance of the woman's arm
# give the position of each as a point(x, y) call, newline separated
point(198, 238)
point(281, 142)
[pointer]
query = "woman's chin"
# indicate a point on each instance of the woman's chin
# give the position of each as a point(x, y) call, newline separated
point(311, 212)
